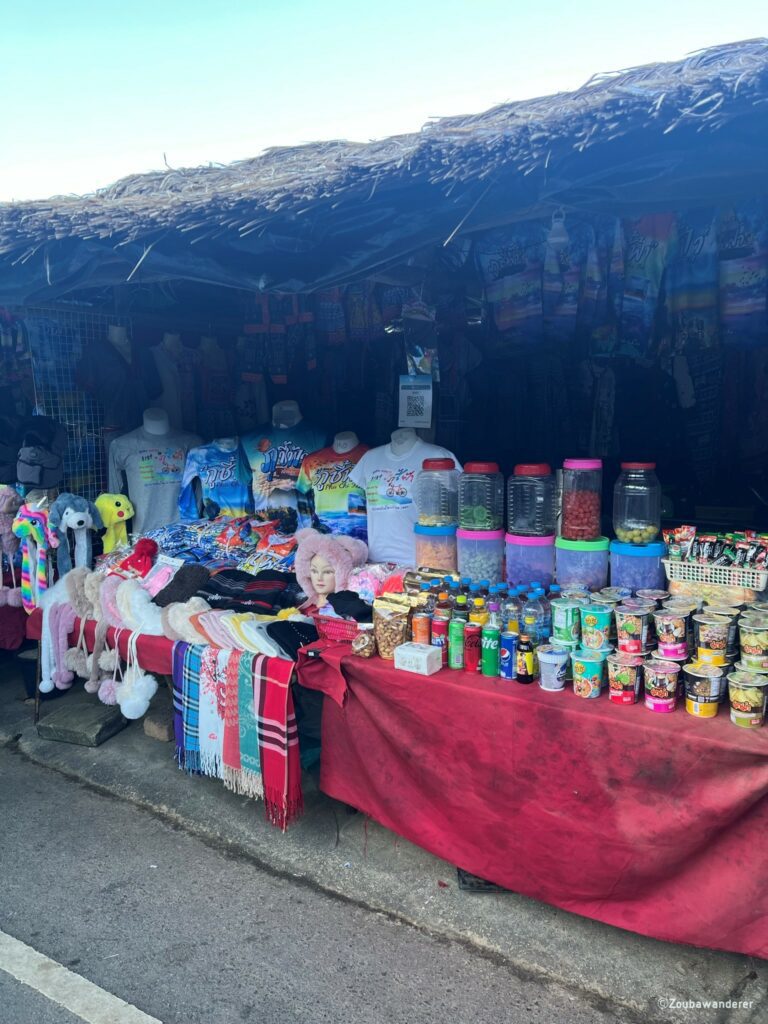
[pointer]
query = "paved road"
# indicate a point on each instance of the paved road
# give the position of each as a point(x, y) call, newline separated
point(191, 935)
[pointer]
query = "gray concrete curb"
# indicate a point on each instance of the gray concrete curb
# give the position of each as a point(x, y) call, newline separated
point(352, 858)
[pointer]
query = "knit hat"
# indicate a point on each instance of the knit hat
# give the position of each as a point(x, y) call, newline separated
point(136, 608)
point(75, 583)
point(180, 616)
point(236, 590)
point(212, 623)
point(92, 587)
point(141, 558)
point(168, 629)
point(342, 553)
point(185, 584)
point(290, 636)
point(108, 595)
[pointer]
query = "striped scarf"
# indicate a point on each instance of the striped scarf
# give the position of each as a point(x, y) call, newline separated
point(31, 527)
point(259, 752)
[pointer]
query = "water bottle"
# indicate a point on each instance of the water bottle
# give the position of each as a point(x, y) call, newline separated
point(494, 616)
point(555, 592)
point(547, 609)
point(510, 609)
point(428, 598)
point(485, 587)
point(533, 610)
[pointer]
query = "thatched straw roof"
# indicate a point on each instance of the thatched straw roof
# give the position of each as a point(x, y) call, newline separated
point(311, 193)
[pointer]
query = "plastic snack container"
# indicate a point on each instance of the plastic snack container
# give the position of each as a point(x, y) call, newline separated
point(637, 503)
point(582, 499)
point(480, 554)
point(637, 567)
point(582, 562)
point(437, 493)
point(436, 547)
point(481, 497)
point(529, 559)
point(531, 501)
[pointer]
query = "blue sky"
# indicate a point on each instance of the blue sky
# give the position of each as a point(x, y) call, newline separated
point(94, 91)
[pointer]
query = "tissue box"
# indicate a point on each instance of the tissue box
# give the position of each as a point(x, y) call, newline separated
point(423, 659)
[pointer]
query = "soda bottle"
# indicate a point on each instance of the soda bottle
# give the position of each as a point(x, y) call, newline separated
point(478, 612)
point(465, 583)
point(526, 672)
point(428, 599)
point(454, 591)
point(511, 612)
point(443, 608)
point(460, 609)
point(474, 591)
point(555, 592)
point(485, 586)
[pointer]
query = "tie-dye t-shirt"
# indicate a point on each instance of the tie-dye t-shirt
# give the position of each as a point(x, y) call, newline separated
point(337, 503)
point(743, 252)
point(275, 456)
point(219, 476)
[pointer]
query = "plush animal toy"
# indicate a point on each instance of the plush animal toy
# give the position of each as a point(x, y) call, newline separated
point(31, 527)
point(115, 511)
point(10, 502)
point(71, 512)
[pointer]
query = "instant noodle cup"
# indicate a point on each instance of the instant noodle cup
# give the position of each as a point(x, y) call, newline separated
point(595, 625)
point(552, 666)
point(743, 667)
point(661, 685)
point(657, 596)
point(588, 672)
point(610, 603)
point(747, 693)
point(704, 689)
point(632, 629)
point(671, 633)
point(753, 641)
point(566, 623)
point(616, 594)
point(625, 674)
point(711, 634)
point(732, 614)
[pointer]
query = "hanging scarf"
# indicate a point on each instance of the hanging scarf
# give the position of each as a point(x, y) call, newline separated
point(31, 527)
point(278, 741)
point(231, 749)
point(251, 780)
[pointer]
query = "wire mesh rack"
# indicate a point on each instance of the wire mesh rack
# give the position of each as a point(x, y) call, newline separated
point(57, 338)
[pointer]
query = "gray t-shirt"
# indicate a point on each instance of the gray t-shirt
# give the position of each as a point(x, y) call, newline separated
point(153, 465)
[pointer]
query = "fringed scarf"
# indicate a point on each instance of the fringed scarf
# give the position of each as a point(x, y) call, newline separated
point(234, 718)
point(31, 527)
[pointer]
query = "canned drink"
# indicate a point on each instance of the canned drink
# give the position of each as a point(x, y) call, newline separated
point(440, 637)
point(456, 643)
point(472, 638)
point(566, 624)
point(508, 656)
point(490, 644)
point(421, 628)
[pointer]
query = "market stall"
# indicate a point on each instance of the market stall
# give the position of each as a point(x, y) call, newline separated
point(467, 432)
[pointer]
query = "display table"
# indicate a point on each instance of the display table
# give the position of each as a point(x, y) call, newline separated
point(654, 823)
point(154, 653)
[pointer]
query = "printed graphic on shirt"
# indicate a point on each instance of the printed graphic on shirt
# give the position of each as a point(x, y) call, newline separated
point(337, 503)
point(390, 489)
point(158, 467)
point(275, 460)
point(224, 483)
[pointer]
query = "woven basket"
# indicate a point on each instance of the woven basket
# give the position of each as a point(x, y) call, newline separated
point(340, 631)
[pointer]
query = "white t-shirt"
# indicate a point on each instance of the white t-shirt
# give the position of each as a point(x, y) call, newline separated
point(389, 482)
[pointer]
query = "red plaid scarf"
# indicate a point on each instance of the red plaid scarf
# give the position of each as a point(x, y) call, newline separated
point(278, 740)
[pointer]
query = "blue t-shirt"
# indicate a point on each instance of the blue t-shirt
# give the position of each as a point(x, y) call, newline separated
point(219, 475)
point(275, 455)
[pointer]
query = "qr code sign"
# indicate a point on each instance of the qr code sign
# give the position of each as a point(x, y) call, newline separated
point(414, 405)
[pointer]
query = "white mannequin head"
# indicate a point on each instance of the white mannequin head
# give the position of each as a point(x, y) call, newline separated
point(403, 439)
point(286, 414)
point(345, 442)
point(172, 342)
point(323, 577)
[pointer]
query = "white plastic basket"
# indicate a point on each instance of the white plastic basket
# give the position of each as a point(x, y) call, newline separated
point(725, 575)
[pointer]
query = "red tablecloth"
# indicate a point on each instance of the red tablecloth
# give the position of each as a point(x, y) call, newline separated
point(655, 823)
point(13, 622)
point(155, 653)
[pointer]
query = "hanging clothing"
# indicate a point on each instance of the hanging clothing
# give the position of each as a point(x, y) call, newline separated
point(337, 504)
point(275, 455)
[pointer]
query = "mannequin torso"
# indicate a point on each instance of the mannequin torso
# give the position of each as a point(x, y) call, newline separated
point(156, 422)
point(403, 440)
point(118, 338)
